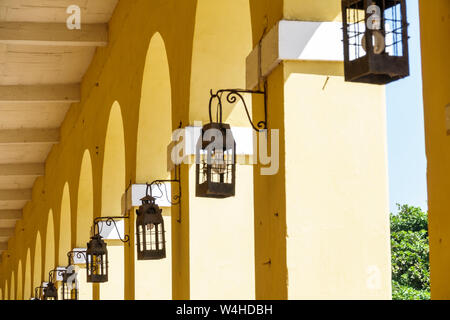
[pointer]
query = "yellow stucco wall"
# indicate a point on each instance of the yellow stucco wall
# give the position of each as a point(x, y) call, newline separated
point(435, 35)
point(220, 249)
point(337, 222)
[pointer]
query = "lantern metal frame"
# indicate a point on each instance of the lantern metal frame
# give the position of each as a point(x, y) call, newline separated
point(73, 293)
point(38, 296)
point(215, 173)
point(144, 218)
point(53, 294)
point(97, 242)
point(218, 180)
point(383, 60)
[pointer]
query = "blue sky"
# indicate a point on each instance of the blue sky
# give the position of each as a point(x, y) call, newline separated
point(405, 125)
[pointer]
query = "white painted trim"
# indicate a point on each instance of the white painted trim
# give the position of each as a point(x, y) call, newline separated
point(295, 40)
point(301, 40)
point(136, 192)
point(242, 135)
point(81, 259)
point(110, 232)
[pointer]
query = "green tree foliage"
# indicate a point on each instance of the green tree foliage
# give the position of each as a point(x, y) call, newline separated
point(410, 254)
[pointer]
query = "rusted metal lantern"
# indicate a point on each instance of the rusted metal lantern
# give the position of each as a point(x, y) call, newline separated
point(216, 146)
point(216, 162)
point(151, 242)
point(375, 40)
point(97, 260)
point(50, 292)
point(38, 293)
point(69, 285)
point(70, 276)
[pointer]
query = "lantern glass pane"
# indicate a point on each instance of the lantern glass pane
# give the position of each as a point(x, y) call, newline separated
point(356, 28)
point(394, 29)
point(217, 167)
point(141, 238)
point(153, 237)
point(97, 268)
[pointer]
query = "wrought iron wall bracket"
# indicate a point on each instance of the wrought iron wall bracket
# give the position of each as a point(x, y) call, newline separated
point(73, 254)
point(232, 96)
point(109, 221)
point(176, 199)
point(51, 274)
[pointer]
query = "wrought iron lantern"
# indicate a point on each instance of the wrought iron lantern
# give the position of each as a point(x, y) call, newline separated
point(216, 148)
point(38, 293)
point(69, 285)
point(97, 252)
point(216, 164)
point(151, 241)
point(50, 291)
point(70, 277)
point(375, 40)
point(97, 260)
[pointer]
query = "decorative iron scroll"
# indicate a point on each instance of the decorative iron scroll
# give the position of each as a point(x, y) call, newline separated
point(232, 96)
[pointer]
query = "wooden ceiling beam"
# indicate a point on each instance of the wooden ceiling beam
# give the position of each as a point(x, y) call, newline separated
point(15, 195)
point(10, 215)
point(53, 34)
point(3, 246)
point(29, 136)
point(22, 169)
point(6, 232)
point(67, 93)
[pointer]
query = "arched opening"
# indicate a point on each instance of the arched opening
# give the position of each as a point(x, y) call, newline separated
point(155, 115)
point(85, 216)
point(65, 229)
point(12, 286)
point(222, 41)
point(27, 277)
point(7, 295)
point(113, 188)
point(85, 203)
point(49, 262)
point(19, 289)
point(154, 135)
point(37, 263)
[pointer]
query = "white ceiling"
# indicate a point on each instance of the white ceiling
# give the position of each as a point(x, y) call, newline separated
point(36, 58)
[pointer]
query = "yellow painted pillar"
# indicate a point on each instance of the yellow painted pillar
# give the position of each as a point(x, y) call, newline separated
point(435, 32)
point(322, 220)
point(95, 291)
point(221, 238)
point(129, 256)
point(180, 243)
point(154, 277)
